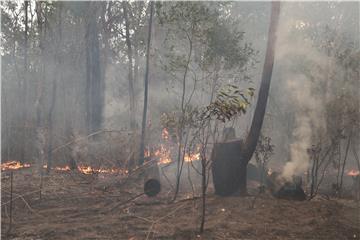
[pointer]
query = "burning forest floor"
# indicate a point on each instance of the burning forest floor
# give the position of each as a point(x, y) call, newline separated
point(78, 206)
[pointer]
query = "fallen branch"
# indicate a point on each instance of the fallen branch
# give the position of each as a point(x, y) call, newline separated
point(19, 196)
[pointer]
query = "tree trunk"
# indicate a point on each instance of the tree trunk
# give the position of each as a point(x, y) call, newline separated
point(258, 118)
point(130, 67)
point(54, 91)
point(146, 83)
point(344, 163)
point(231, 177)
point(94, 81)
point(40, 134)
point(181, 146)
point(24, 87)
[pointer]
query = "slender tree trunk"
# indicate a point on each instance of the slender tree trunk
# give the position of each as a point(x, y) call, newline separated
point(344, 163)
point(133, 124)
point(146, 84)
point(130, 67)
point(203, 192)
point(24, 86)
point(356, 156)
point(258, 118)
point(39, 96)
point(180, 157)
point(236, 181)
point(54, 91)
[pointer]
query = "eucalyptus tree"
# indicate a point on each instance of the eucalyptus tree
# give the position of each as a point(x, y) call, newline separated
point(201, 46)
point(230, 177)
point(24, 85)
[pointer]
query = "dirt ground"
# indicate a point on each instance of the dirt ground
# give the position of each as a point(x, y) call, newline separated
point(77, 206)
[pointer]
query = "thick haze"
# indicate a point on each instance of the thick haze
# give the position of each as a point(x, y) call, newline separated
point(305, 78)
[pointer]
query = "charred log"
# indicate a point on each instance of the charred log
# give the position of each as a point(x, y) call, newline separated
point(229, 174)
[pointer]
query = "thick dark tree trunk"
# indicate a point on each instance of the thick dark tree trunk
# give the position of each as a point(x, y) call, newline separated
point(94, 81)
point(258, 118)
point(229, 174)
point(229, 164)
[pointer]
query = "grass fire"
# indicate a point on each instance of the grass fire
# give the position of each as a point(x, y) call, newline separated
point(180, 120)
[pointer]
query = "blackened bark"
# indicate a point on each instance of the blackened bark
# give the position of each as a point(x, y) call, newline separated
point(258, 118)
point(229, 174)
point(229, 164)
point(94, 81)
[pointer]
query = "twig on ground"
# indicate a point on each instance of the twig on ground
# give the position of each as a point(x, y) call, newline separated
point(123, 203)
point(161, 218)
point(20, 196)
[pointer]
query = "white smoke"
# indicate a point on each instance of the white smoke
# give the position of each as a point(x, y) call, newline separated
point(303, 71)
point(308, 119)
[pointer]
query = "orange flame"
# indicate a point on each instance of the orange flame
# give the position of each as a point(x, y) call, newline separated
point(90, 170)
point(353, 172)
point(165, 134)
point(192, 157)
point(13, 165)
point(163, 154)
point(66, 168)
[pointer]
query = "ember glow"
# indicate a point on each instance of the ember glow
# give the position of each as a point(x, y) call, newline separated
point(90, 170)
point(66, 168)
point(353, 172)
point(165, 134)
point(13, 165)
point(163, 154)
point(192, 157)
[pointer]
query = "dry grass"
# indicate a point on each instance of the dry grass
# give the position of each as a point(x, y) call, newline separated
point(73, 207)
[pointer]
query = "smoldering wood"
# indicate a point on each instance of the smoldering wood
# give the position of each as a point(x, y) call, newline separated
point(229, 174)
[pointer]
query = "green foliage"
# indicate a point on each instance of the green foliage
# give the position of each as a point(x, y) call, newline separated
point(224, 44)
point(230, 101)
point(208, 27)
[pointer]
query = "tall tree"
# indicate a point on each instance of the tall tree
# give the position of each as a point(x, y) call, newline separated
point(251, 140)
point(40, 134)
point(24, 86)
point(130, 66)
point(230, 177)
point(146, 84)
point(50, 119)
point(94, 81)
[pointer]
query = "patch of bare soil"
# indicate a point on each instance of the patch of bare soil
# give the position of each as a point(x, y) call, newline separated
point(75, 206)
